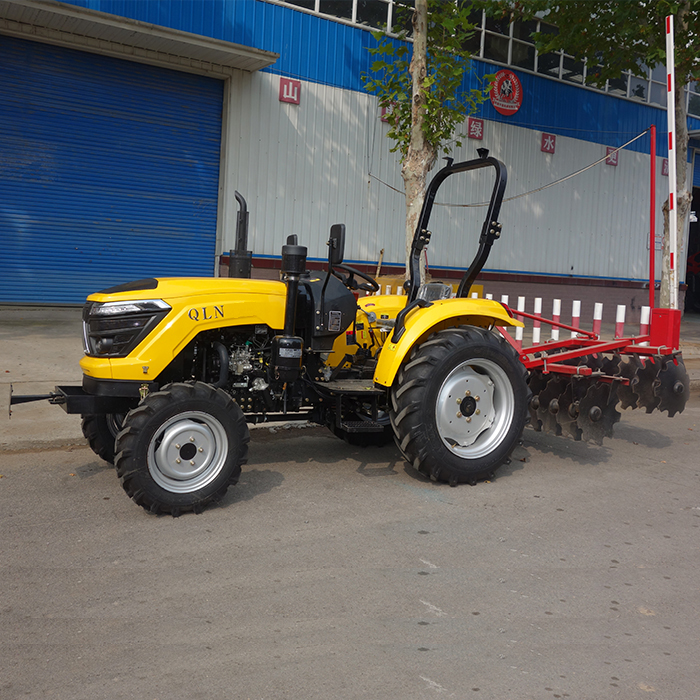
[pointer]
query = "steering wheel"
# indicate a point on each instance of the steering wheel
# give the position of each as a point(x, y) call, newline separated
point(369, 284)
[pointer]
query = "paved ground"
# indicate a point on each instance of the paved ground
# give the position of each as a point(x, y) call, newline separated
point(337, 572)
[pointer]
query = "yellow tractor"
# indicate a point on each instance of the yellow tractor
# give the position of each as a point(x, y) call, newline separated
point(175, 369)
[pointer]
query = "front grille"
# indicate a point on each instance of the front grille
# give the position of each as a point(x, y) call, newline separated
point(107, 334)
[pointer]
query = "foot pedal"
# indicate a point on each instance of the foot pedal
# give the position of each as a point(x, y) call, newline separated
point(362, 426)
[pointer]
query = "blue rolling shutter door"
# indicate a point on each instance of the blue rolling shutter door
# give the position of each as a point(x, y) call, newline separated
point(696, 170)
point(109, 172)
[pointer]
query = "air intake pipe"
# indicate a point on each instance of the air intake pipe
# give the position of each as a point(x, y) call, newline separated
point(287, 349)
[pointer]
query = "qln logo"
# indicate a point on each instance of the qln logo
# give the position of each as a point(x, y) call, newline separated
point(290, 90)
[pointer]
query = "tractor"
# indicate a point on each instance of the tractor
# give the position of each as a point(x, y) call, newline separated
point(176, 368)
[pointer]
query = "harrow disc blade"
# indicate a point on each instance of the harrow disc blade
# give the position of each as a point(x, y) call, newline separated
point(549, 406)
point(625, 392)
point(536, 381)
point(611, 365)
point(597, 413)
point(574, 391)
point(643, 384)
point(672, 387)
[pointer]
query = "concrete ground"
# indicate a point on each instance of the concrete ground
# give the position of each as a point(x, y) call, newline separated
point(338, 572)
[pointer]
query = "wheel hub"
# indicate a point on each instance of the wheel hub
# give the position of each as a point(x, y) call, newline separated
point(188, 452)
point(474, 408)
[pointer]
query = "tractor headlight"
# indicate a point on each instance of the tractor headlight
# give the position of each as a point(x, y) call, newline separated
point(115, 328)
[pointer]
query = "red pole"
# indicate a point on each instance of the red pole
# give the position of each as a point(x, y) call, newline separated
point(652, 216)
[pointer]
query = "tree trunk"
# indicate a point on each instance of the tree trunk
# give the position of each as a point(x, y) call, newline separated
point(683, 196)
point(421, 156)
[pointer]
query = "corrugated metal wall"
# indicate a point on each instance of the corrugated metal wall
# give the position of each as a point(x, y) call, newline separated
point(303, 168)
point(109, 171)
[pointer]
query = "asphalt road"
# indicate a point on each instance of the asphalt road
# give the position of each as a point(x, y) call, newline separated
point(333, 572)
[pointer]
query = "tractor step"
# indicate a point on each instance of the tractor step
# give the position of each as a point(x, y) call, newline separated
point(350, 387)
point(361, 426)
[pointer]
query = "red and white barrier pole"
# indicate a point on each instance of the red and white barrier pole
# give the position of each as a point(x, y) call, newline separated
point(597, 318)
point(644, 323)
point(672, 184)
point(575, 316)
point(620, 321)
point(519, 331)
point(556, 315)
point(536, 324)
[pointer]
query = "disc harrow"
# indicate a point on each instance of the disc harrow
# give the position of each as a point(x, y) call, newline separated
point(578, 384)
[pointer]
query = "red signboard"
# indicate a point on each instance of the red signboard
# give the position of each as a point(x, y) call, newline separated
point(290, 90)
point(475, 129)
point(612, 155)
point(549, 143)
point(506, 93)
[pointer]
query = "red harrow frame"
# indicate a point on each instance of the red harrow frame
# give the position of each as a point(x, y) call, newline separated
point(577, 382)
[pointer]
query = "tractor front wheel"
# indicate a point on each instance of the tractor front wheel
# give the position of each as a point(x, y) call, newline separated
point(101, 431)
point(459, 405)
point(181, 448)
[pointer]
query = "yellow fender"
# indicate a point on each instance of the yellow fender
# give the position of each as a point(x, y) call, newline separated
point(420, 323)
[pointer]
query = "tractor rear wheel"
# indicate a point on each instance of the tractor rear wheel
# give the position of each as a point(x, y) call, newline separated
point(101, 431)
point(459, 405)
point(181, 448)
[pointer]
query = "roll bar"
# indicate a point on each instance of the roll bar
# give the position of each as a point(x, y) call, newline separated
point(490, 230)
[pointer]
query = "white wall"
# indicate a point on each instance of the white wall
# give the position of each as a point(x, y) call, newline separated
point(304, 167)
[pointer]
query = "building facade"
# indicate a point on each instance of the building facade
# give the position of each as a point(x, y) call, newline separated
point(128, 126)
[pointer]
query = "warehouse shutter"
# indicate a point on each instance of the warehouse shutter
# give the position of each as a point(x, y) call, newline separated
point(109, 172)
point(696, 170)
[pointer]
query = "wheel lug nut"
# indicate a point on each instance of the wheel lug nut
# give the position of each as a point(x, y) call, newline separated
point(477, 411)
point(192, 462)
point(178, 460)
point(477, 397)
point(191, 439)
point(459, 415)
point(201, 449)
point(467, 393)
point(177, 447)
point(469, 419)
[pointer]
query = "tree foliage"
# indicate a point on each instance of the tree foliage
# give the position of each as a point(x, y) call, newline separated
point(420, 85)
point(449, 30)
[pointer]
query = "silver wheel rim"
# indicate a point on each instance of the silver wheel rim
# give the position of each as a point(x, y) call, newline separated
point(188, 452)
point(474, 409)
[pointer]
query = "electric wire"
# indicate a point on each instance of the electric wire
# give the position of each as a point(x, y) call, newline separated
point(538, 189)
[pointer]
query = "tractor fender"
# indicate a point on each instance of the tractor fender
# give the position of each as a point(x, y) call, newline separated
point(423, 322)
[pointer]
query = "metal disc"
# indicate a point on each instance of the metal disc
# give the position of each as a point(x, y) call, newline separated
point(597, 413)
point(672, 387)
point(536, 382)
point(625, 392)
point(549, 406)
point(568, 406)
point(643, 384)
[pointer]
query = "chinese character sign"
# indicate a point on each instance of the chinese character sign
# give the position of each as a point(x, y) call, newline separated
point(475, 128)
point(664, 167)
point(290, 91)
point(549, 143)
point(612, 156)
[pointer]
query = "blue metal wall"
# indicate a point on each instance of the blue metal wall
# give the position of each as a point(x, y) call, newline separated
point(328, 52)
point(109, 172)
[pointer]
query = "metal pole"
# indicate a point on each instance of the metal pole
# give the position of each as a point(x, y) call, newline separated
point(652, 217)
point(671, 116)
